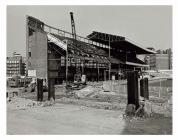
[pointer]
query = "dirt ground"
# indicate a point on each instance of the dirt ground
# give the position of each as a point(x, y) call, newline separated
point(73, 119)
point(86, 111)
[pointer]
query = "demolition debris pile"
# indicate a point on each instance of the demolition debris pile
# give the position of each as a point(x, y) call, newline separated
point(21, 103)
point(93, 95)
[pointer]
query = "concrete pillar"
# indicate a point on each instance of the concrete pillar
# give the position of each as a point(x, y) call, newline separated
point(132, 88)
point(144, 90)
point(39, 89)
point(142, 87)
point(51, 88)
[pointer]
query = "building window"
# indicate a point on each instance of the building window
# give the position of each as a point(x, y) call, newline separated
point(29, 52)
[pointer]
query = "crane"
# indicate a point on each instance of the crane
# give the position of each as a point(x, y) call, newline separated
point(73, 26)
point(77, 76)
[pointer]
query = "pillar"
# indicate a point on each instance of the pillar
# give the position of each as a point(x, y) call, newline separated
point(39, 89)
point(132, 88)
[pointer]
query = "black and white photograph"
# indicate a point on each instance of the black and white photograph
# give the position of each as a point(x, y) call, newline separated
point(89, 70)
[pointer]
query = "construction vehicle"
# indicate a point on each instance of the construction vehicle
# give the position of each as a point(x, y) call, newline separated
point(14, 81)
point(17, 81)
point(79, 79)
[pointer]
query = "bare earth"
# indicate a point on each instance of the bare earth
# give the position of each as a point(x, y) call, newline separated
point(64, 119)
point(94, 112)
point(73, 119)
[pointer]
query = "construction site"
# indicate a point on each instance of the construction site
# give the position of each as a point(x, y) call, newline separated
point(87, 85)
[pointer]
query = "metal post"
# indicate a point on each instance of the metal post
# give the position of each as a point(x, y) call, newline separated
point(98, 71)
point(66, 64)
point(160, 87)
point(109, 59)
point(83, 61)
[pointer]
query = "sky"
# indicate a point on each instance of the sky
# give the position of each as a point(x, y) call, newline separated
point(148, 26)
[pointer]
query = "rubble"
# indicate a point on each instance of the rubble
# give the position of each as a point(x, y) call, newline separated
point(21, 103)
point(164, 109)
point(87, 91)
point(148, 108)
point(130, 110)
point(48, 103)
point(93, 104)
point(93, 95)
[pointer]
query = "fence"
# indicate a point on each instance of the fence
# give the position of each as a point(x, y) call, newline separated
point(155, 88)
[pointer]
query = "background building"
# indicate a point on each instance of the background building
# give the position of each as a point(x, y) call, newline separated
point(162, 60)
point(15, 65)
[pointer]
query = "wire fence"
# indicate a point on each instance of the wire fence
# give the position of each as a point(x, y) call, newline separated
point(157, 88)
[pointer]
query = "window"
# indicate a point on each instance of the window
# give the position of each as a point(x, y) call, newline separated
point(29, 52)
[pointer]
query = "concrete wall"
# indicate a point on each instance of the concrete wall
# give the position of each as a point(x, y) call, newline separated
point(38, 49)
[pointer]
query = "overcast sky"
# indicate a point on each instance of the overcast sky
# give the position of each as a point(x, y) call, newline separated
point(150, 26)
